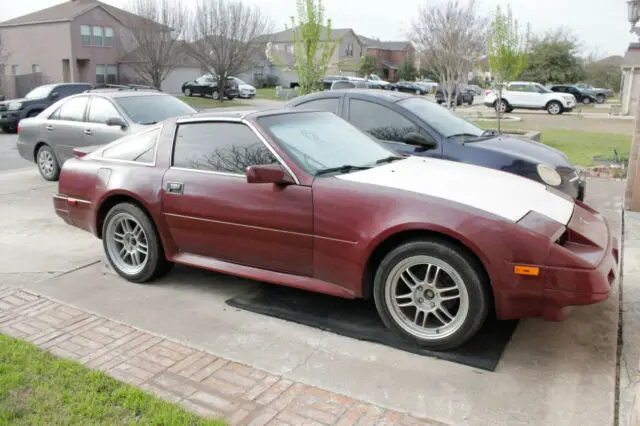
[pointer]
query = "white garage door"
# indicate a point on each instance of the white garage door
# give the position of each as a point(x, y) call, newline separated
point(175, 79)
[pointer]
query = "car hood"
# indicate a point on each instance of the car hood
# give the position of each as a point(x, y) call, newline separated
point(246, 87)
point(502, 194)
point(525, 149)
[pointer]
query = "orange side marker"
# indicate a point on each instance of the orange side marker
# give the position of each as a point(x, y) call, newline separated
point(532, 271)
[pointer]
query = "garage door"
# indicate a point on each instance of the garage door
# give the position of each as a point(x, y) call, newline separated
point(175, 79)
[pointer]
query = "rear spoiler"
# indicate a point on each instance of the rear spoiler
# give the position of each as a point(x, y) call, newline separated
point(84, 150)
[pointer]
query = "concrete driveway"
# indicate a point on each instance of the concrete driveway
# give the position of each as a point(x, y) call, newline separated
point(551, 373)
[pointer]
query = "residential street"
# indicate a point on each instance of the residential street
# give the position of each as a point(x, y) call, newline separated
point(9, 157)
point(551, 373)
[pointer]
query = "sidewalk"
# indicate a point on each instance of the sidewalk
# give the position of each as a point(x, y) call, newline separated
point(203, 383)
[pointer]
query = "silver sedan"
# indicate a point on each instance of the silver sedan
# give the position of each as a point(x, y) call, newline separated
point(91, 118)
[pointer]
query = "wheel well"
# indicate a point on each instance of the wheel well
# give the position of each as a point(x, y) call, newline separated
point(553, 101)
point(111, 202)
point(36, 149)
point(404, 237)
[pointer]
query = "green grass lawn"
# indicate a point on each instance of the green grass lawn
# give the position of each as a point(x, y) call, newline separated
point(39, 389)
point(267, 93)
point(204, 103)
point(579, 146)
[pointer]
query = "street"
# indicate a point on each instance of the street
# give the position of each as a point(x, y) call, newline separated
point(9, 157)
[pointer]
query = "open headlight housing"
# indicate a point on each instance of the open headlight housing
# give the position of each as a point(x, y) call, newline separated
point(549, 175)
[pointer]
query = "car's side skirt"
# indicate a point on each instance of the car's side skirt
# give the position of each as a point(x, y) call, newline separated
point(289, 280)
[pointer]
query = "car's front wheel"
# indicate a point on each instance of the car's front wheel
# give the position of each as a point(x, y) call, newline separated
point(47, 163)
point(132, 245)
point(601, 99)
point(586, 100)
point(187, 92)
point(432, 293)
point(554, 108)
point(215, 95)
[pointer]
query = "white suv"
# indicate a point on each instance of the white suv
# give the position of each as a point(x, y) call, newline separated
point(528, 95)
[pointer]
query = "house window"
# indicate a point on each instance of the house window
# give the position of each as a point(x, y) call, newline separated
point(108, 36)
point(35, 68)
point(349, 52)
point(97, 36)
point(15, 69)
point(100, 74)
point(112, 74)
point(85, 35)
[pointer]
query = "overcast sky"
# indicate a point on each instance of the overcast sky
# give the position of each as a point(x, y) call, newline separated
point(600, 24)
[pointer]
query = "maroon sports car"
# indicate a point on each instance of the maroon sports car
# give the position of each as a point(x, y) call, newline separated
point(304, 199)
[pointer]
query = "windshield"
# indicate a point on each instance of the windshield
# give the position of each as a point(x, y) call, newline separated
point(238, 80)
point(543, 89)
point(39, 92)
point(152, 109)
point(322, 140)
point(440, 119)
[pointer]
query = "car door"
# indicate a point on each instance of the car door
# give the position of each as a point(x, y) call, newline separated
point(64, 127)
point(533, 97)
point(96, 131)
point(513, 93)
point(212, 211)
point(576, 93)
point(387, 126)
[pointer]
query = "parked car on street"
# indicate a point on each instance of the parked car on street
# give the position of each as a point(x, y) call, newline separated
point(601, 94)
point(409, 87)
point(529, 95)
point(207, 85)
point(380, 82)
point(95, 117)
point(305, 199)
point(245, 90)
point(37, 100)
point(582, 96)
point(461, 95)
point(412, 125)
point(477, 90)
point(430, 85)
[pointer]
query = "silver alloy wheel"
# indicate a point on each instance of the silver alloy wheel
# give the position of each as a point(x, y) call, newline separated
point(426, 297)
point(554, 108)
point(187, 92)
point(215, 95)
point(586, 101)
point(418, 92)
point(127, 244)
point(502, 106)
point(46, 162)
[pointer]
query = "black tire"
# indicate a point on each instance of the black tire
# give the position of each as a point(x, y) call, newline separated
point(554, 108)
point(187, 92)
point(231, 97)
point(601, 98)
point(157, 264)
point(440, 102)
point(586, 100)
point(47, 163)
point(505, 104)
point(215, 95)
point(472, 278)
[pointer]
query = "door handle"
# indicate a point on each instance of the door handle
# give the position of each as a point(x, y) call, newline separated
point(88, 132)
point(174, 187)
point(49, 127)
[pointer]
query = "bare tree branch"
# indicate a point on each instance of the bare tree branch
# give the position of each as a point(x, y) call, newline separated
point(156, 39)
point(450, 37)
point(222, 36)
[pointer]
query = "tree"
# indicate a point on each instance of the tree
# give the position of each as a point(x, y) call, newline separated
point(450, 36)
point(506, 50)
point(553, 58)
point(155, 38)
point(369, 64)
point(222, 37)
point(312, 44)
point(408, 70)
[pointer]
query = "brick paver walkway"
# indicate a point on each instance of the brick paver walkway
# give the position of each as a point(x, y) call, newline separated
point(199, 381)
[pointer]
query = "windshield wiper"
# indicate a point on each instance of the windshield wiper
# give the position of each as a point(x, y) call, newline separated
point(345, 168)
point(389, 159)
point(457, 135)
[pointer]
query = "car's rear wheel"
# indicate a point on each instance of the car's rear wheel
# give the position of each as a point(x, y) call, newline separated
point(47, 163)
point(432, 293)
point(554, 108)
point(502, 106)
point(132, 245)
point(601, 98)
point(215, 95)
point(586, 100)
point(187, 92)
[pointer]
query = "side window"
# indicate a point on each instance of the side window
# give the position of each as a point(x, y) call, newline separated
point(101, 109)
point(219, 147)
point(139, 147)
point(327, 104)
point(379, 121)
point(73, 109)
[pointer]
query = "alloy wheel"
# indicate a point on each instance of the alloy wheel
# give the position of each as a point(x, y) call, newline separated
point(426, 297)
point(554, 108)
point(187, 92)
point(215, 95)
point(46, 162)
point(586, 101)
point(127, 244)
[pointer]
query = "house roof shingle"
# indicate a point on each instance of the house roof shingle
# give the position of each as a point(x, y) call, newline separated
point(385, 45)
point(69, 10)
point(286, 36)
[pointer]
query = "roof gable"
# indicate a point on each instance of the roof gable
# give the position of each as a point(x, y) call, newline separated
point(286, 36)
point(384, 45)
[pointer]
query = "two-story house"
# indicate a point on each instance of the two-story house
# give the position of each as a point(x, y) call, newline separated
point(345, 59)
point(74, 41)
point(390, 54)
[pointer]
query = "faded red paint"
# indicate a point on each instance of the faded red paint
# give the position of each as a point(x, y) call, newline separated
point(322, 234)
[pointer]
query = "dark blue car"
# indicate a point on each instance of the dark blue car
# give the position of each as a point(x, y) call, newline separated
point(415, 126)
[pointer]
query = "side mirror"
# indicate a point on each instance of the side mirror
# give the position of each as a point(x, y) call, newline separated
point(54, 95)
point(414, 138)
point(116, 121)
point(268, 173)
